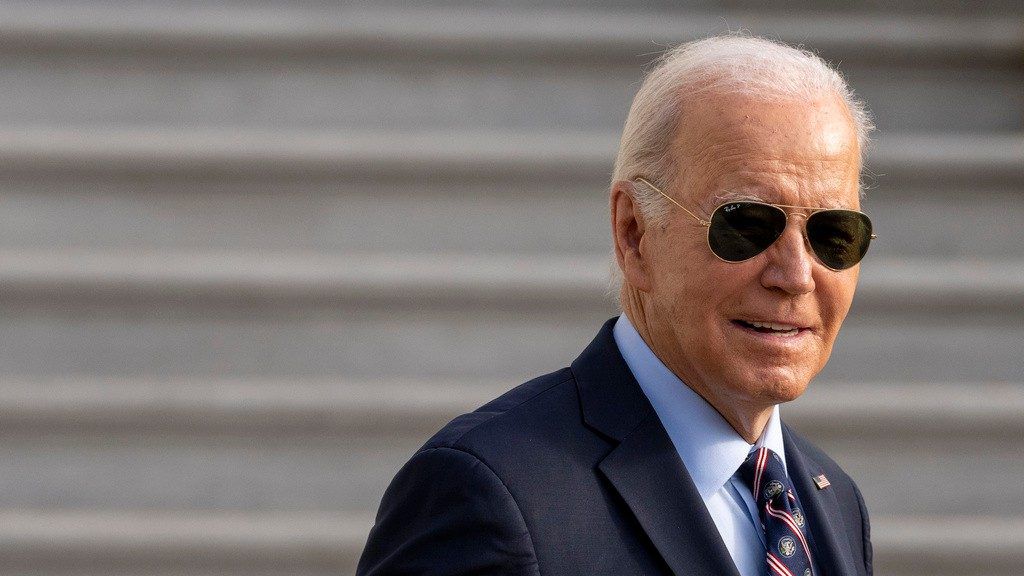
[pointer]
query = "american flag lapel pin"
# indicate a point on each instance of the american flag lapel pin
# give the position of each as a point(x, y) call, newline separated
point(821, 482)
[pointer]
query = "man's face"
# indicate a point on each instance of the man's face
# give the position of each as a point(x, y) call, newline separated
point(702, 310)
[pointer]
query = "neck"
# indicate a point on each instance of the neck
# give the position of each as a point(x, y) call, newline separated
point(746, 418)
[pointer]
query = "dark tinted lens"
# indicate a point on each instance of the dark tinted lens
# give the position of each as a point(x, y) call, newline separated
point(742, 230)
point(839, 238)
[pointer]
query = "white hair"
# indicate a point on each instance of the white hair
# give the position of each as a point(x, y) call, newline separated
point(719, 65)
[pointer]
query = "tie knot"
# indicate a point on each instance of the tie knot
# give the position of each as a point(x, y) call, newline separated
point(765, 475)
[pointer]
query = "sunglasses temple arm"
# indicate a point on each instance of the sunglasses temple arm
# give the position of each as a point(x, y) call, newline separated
point(702, 221)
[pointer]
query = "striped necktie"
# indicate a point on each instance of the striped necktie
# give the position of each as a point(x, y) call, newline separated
point(782, 518)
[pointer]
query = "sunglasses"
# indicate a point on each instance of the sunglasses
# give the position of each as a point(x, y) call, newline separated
point(743, 229)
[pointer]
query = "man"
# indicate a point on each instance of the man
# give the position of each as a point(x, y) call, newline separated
point(660, 450)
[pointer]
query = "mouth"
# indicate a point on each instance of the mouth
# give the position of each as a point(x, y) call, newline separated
point(772, 328)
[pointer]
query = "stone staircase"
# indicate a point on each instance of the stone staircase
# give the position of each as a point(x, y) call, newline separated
point(252, 255)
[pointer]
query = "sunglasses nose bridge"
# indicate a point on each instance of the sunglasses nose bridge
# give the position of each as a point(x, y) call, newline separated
point(801, 224)
point(803, 216)
point(789, 216)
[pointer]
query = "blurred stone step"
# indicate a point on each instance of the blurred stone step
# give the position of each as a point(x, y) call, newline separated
point(464, 216)
point(220, 406)
point(836, 8)
point(149, 543)
point(926, 223)
point(290, 444)
point(381, 91)
point(941, 545)
point(333, 214)
point(440, 280)
point(273, 470)
point(448, 68)
point(208, 152)
point(243, 152)
point(483, 31)
point(162, 542)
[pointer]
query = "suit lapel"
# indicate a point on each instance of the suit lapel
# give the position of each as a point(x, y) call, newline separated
point(646, 471)
point(834, 556)
point(644, 467)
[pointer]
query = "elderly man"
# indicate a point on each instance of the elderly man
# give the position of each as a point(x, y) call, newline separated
point(734, 212)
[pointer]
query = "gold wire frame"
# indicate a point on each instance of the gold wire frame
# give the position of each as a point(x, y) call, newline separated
point(707, 223)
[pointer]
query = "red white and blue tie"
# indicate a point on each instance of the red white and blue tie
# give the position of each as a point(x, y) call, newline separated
point(781, 515)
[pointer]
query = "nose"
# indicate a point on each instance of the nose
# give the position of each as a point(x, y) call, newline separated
point(790, 262)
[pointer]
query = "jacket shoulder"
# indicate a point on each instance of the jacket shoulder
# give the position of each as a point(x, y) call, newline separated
point(550, 395)
point(457, 506)
point(446, 513)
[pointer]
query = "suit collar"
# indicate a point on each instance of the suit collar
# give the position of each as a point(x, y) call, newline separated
point(834, 556)
point(644, 467)
point(611, 400)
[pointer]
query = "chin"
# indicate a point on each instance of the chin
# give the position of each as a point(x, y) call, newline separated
point(778, 387)
point(789, 391)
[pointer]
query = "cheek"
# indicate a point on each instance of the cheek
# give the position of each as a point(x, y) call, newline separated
point(700, 287)
point(836, 296)
point(678, 266)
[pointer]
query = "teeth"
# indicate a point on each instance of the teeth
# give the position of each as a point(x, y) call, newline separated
point(774, 327)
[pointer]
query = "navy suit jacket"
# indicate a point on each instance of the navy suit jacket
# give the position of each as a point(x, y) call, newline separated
point(573, 473)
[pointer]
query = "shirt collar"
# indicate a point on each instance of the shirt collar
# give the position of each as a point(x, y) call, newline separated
point(709, 447)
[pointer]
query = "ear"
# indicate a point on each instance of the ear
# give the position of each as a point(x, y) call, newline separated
point(628, 229)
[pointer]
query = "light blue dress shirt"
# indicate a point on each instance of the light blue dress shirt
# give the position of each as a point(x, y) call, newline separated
point(708, 446)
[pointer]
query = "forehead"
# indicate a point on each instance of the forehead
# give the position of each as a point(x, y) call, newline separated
point(800, 153)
